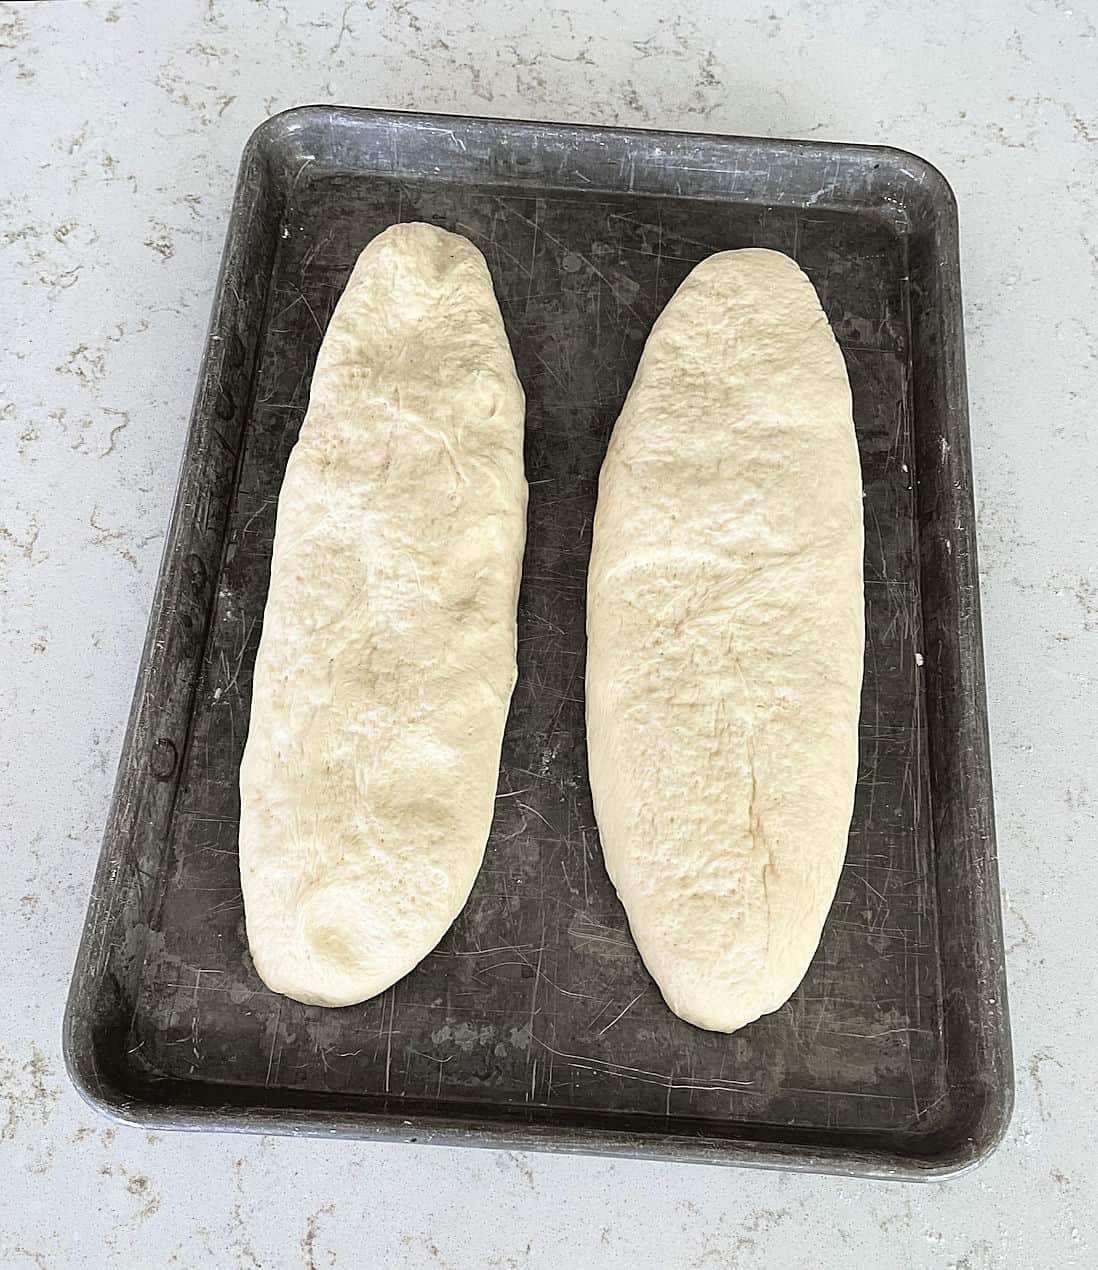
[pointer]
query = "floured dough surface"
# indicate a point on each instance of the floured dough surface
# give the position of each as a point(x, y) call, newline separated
point(725, 638)
point(387, 658)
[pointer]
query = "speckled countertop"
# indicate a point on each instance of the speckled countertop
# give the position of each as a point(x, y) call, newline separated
point(123, 125)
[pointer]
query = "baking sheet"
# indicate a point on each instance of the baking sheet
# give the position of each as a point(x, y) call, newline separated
point(534, 1022)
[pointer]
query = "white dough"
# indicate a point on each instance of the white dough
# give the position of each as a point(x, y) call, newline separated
point(725, 627)
point(387, 659)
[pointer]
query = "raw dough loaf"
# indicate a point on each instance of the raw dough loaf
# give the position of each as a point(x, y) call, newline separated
point(387, 659)
point(725, 627)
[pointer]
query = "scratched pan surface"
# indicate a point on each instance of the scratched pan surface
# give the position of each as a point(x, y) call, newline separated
point(534, 1022)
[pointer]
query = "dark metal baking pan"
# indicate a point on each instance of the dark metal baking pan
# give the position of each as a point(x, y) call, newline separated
point(534, 1023)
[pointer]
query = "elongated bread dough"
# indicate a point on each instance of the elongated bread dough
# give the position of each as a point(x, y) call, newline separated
point(387, 659)
point(725, 628)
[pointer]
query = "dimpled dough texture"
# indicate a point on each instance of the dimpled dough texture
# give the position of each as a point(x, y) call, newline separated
point(725, 626)
point(387, 659)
